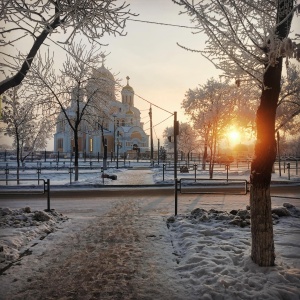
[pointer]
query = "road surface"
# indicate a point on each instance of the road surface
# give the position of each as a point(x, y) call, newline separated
point(153, 200)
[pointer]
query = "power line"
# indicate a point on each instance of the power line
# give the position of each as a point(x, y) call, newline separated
point(163, 24)
point(117, 83)
point(160, 122)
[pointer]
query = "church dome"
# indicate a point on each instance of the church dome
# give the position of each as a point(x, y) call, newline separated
point(129, 112)
point(127, 87)
point(103, 72)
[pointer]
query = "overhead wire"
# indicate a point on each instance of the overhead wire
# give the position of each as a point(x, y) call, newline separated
point(171, 114)
point(117, 83)
point(159, 122)
point(163, 24)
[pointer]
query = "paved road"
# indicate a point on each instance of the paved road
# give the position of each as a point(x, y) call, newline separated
point(155, 200)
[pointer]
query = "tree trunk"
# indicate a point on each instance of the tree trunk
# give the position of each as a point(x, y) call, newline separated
point(261, 170)
point(18, 158)
point(204, 157)
point(76, 170)
point(262, 251)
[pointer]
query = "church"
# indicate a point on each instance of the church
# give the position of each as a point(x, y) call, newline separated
point(121, 128)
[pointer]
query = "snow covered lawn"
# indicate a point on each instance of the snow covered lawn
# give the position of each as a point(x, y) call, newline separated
point(213, 256)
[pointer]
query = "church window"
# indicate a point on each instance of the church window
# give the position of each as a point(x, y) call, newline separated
point(123, 122)
point(60, 143)
point(118, 123)
point(61, 125)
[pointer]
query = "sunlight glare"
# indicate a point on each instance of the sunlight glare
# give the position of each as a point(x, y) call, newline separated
point(234, 136)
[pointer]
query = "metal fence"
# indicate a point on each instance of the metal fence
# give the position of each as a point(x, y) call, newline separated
point(29, 186)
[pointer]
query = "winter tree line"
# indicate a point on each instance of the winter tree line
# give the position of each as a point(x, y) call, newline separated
point(215, 106)
point(249, 41)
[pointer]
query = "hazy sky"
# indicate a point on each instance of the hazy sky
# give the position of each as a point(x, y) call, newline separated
point(159, 70)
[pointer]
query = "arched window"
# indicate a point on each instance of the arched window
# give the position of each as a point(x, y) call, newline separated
point(123, 122)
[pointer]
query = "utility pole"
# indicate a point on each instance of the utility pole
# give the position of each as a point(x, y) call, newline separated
point(176, 132)
point(158, 151)
point(151, 135)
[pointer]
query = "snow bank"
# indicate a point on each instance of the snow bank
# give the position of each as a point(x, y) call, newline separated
point(20, 226)
point(213, 255)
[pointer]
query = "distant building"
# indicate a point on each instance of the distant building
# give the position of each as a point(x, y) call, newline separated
point(122, 125)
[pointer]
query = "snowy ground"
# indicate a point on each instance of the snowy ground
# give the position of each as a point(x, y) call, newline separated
point(131, 248)
point(134, 173)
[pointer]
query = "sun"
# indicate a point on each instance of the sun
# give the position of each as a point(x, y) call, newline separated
point(234, 136)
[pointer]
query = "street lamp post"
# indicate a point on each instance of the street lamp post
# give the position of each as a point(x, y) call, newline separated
point(114, 115)
point(118, 133)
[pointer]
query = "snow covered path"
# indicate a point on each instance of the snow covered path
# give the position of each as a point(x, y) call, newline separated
point(100, 257)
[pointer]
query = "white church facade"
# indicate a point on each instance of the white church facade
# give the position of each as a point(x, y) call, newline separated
point(121, 128)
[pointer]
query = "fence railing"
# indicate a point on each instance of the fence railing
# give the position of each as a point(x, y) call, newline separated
point(208, 186)
point(26, 186)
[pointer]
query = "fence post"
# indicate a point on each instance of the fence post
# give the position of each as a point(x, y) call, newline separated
point(48, 194)
point(102, 175)
point(38, 172)
point(70, 171)
point(195, 168)
point(288, 165)
point(227, 167)
point(296, 167)
point(6, 173)
point(164, 165)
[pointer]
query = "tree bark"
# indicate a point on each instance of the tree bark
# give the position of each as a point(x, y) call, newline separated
point(261, 170)
point(76, 155)
point(262, 250)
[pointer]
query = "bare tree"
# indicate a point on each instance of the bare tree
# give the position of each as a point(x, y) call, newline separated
point(248, 41)
point(187, 140)
point(39, 20)
point(77, 95)
point(168, 136)
point(25, 125)
point(211, 108)
point(288, 111)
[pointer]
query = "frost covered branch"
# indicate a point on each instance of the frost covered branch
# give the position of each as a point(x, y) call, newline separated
point(40, 19)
